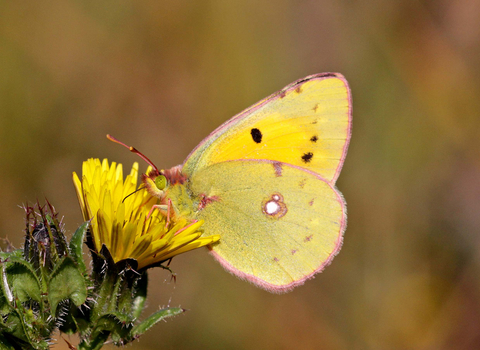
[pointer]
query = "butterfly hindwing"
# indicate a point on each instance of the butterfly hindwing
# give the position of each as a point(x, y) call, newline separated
point(278, 224)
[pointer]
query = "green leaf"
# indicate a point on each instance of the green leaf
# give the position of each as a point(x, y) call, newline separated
point(75, 320)
point(67, 282)
point(153, 319)
point(5, 293)
point(22, 280)
point(95, 344)
point(15, 326)
point(24, 330)
point(103, 328)
point(76, 245)
point(117, 325)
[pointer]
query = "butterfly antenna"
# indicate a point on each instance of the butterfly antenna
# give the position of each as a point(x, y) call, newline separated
point(134, 150)
point(140, 188)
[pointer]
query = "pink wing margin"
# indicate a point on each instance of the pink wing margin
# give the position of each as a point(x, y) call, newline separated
point(321, 76)
point(279, 289)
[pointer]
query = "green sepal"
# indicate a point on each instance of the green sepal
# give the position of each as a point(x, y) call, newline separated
point(132, 295)
point(45, 242)
point(66, 283)
point(140, 295)
point(60, 240)
point(76, 245)
point(153, 319)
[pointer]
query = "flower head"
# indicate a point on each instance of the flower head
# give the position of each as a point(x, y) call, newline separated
point(122, 218)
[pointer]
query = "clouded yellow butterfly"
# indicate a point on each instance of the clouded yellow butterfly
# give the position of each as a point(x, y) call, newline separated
point(265, 182)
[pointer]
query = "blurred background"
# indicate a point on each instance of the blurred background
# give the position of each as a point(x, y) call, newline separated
point(161, 75)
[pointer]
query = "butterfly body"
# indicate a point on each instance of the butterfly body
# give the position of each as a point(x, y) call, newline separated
point(265, 182)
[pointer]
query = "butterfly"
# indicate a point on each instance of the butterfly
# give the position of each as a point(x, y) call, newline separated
point(265, 182)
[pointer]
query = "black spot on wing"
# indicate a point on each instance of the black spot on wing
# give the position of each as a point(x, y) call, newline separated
point(256, 135)
point(314, 139)
point(307, 157)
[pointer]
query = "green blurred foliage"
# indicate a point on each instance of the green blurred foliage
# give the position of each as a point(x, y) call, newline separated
point(161, 75)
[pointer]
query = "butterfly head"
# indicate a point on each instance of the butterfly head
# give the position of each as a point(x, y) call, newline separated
point(156, 183)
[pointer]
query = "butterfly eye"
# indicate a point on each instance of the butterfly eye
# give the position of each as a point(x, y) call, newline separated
point(161, 182)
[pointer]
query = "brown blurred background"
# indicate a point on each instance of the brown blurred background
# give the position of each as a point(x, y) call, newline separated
point(161, 75)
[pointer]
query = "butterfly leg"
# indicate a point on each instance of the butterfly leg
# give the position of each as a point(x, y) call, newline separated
point(161, 207)
point(165, 210)
point(169, 208)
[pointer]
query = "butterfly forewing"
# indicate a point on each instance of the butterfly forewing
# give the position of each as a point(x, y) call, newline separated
point(307, 124)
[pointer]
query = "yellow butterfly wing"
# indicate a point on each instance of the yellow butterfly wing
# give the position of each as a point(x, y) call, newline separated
point(279, 224)
point(264, 181)
point(306, 124)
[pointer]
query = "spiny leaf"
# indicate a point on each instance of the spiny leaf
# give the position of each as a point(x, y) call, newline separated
point(66, 283)
point(154, 319)
point(22, 279)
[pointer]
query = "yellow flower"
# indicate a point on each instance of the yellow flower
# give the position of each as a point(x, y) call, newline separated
point(119, 217)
